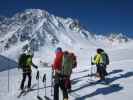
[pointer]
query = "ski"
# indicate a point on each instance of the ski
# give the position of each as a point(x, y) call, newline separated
point(27, 91)
point(47, 98)
point(39, 98)
point(21, 93)
point(103, 82)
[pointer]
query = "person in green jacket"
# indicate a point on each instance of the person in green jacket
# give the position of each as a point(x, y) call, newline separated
point(25, 65)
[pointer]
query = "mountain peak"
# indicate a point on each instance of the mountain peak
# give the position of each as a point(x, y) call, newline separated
point(40, 28)
point(36, 11)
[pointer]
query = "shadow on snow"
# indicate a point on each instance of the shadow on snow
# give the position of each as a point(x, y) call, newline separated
point(104, 91)
point(6, 63)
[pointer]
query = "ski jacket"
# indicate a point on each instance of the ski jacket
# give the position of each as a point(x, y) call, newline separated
point(98, 59)
point(67, 64)
point(101, 58)
point(28, 63)
point(58, 61)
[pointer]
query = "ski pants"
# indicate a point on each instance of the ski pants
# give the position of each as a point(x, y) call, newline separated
point(106, 73)
point(26, 74)
point(67, 82)
point(59, 82)
point(101, 70)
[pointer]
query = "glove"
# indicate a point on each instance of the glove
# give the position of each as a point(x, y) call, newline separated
point(36, 67)
point(92, 63)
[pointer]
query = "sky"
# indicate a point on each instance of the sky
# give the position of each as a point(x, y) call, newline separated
point(97, 16)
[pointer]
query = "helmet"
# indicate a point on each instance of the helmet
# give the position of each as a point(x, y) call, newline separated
point(99, 50)
point(59, 49)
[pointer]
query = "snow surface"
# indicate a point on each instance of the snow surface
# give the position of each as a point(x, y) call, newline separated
point(120, 76)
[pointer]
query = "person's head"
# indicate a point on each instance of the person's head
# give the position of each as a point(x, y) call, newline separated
point(66, 53)
point(58, 49)
point(99, 50)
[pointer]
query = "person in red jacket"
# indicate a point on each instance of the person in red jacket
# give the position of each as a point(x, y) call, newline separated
point(58, 60)
point(58, 78)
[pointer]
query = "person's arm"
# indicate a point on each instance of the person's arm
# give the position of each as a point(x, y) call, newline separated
point(34, 66)
point(97, 59)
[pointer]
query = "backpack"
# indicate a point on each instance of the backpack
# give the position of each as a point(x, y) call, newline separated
point(74, 62)
point(66, 65)
point(105, 58)
point(22, 60)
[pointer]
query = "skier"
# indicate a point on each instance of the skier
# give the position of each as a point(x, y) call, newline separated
point(69, 62)
point(58, 77)
point(67, 65)
point(25, 63)
point(100, 60)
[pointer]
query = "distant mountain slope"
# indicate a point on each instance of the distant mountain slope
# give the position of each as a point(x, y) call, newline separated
point(37, 28)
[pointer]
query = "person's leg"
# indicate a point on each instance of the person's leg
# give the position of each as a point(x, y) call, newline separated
point(98, 71)
point(56, 90)
point(106, 73)
point(23, 81)
point(29, 81)
point(69, 84)
point(102, 73)
point(64, 90)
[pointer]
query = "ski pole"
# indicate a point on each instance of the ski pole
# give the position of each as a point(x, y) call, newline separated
point(52, 82)
point(37, 77)
point(8, 80)
point(91, 69)
point(44, 81)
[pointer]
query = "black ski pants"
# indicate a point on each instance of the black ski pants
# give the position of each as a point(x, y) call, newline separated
point(59, 82)
point(26, 74)
point(101, 70)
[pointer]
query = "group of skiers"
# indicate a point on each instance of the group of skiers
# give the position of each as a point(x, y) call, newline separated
point(62, 66)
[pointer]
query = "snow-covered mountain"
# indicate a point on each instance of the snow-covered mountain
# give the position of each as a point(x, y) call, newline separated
point(37, 28)
point(113, 38)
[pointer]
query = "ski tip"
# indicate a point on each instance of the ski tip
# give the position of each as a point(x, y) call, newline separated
point(39, 98)
point(47, 98)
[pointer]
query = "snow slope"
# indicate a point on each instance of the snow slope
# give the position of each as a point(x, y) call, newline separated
point(120, 78)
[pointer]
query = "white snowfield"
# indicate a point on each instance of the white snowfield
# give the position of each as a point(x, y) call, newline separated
point(120, 76)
